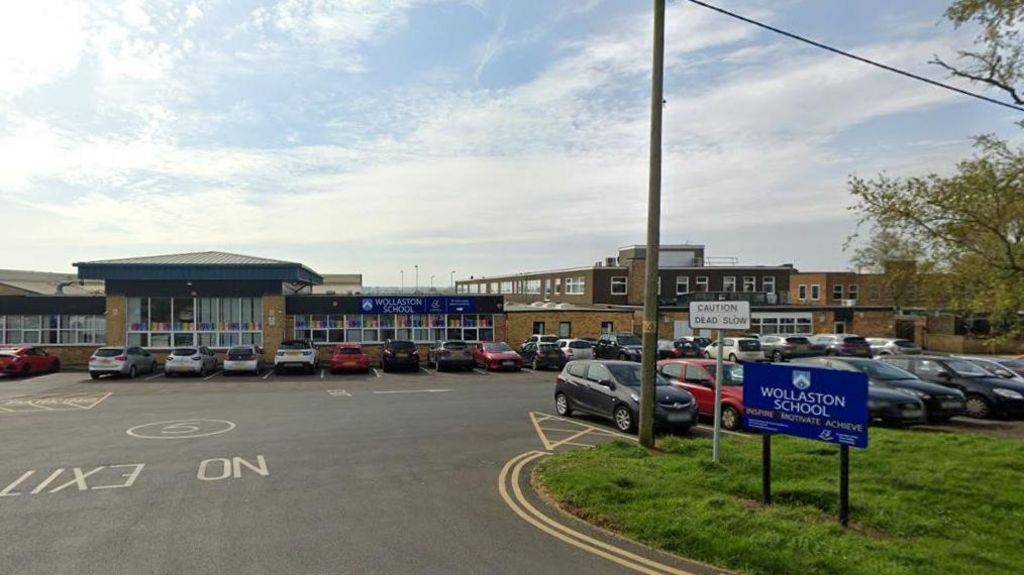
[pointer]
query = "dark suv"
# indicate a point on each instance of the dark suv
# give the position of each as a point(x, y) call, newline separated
point(786, 347)
point(987, 395)
point(621, 346)
point(842, 344)
point(399, 353)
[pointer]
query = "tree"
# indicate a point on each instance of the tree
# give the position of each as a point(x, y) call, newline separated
point(998, 60)
point(969, 226)
point(897, 265)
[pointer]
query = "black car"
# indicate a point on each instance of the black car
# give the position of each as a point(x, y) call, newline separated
point(542, 355)
point(987, 395)
point(845, 344)
point(399, 353)
point(621, 346)
point(611, 389)
point(885, 404)
point(780, 348)
point(940, 402)
point(675, 349)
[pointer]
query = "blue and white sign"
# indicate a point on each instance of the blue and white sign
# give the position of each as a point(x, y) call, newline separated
point(417, 305)
point(814, 403)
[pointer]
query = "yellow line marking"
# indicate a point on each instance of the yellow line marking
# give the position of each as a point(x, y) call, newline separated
point(595, 429)
point(40, 407)
point(531, 515)
point(560, 429)
point(540, 433)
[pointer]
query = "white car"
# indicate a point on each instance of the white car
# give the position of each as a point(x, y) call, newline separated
point(296, 354)
point(244, 359)
point(893, 346)
point(736, 349)
point(575, 349)
point(190, 361)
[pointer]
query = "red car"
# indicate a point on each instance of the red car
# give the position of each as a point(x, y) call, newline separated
point(496, 355)
point(26, 360)
point(698, 377)
point(349, 357)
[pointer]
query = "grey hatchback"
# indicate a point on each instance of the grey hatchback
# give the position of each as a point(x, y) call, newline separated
point(611, 389)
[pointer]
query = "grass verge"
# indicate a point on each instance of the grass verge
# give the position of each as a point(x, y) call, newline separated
point(921, 503)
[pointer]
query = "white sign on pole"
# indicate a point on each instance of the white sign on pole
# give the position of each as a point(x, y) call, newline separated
point(720, 315)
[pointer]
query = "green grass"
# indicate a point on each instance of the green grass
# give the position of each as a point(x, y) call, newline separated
point(921, 503)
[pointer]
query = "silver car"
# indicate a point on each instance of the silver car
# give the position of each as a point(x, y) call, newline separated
point(893, 346)
point(128, 361)
point(244, 359)
point(190, 361)
point(575, 349)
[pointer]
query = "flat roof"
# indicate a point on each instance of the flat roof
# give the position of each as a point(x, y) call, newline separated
point(209, 265)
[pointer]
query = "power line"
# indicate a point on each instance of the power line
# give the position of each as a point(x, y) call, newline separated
point(856, 57)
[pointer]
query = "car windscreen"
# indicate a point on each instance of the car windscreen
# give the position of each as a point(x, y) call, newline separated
point(497, 347)
point(798, 340)
point(904, 343)
point(403, 345)
point(702, 341)
point(547, 347)
point(629, 340)
point(629, 374)
point(966, 368)
point(347, 351)
point(1014, 364)
point(455, 345)
point(882, 371)
point(749, 345)
point(580, 344)
point(548, 338)
point(732, 375)
point(109, 352)
point(858, 341)
point(294, 344)
point(184, 351)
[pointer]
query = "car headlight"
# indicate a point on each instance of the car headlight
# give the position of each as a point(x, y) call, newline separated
point(634, 397)
point(1007, 393)
point(873, 404)
point(917, 393)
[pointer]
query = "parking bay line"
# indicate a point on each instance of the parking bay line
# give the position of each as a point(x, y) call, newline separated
point(212, 375)
point(376, 372)
point(480, 371)
point(394, 391)
point(321, 375)
point(268, 374)
point(154, 376)
point(426, 371)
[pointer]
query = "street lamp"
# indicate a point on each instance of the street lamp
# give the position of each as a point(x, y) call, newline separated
point(417, 288)
point(403, 280)
point(431, 282)
point(453, 279)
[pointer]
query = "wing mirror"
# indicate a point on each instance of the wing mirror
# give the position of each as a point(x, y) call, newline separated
point(607, 383)
point(944, 375)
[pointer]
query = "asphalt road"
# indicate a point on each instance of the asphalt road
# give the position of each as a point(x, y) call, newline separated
point(302, 474)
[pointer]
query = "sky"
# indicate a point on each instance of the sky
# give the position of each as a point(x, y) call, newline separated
point(475, 136)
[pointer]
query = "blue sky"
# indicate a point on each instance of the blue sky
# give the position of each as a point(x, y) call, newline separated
point(478, 136)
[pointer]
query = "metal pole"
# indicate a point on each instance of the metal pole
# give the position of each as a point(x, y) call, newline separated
point(431, 282)
point(766, 467)
point(716, 439)
point(403, 280)
point(417, 284)
point(844, 485)
point(650, 324)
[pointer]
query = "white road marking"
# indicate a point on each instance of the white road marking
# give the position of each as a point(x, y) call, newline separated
point(321, 374)
point(480, 371)
point(181, 429)
point(232, 468)
point(269, 373)
point(412, 391)
point(339, 393)
point(527, 370)
point(7, 490)
point(212, 375)
point(154, 376)
point(426, 371)
point(376, 372)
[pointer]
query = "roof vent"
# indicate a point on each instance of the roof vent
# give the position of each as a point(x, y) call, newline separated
point(611, 262)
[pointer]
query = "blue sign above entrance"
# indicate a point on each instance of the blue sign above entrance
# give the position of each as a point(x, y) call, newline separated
point(417, 305)
point(814, 403)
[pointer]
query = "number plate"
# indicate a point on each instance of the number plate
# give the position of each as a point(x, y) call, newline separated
point(293, 353)
point(349, 364)
point(677, 417)
point(951, 404)
point(402, 355)
point(508, 363)
point(913, 413)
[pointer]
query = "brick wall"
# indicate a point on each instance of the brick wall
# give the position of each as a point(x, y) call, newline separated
point(585, 323)
point(274, 325)
point(117, 319)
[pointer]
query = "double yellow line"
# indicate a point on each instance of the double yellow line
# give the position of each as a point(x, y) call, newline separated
point(511, 475)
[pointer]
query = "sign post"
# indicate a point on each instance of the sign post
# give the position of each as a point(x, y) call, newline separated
point(719, 315)
point(813, 403)
point(766, 467)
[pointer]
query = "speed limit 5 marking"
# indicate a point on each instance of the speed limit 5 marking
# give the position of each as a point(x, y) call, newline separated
point(181, 429)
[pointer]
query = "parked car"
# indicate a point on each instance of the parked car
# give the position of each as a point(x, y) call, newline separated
point(1014, 365)
point(118, 361)
point(669, 349)
point(893, 346)
point(190, 361)
point(538, 338)
point(846, 344)
point(543, 355)
point(450, 354)
point(779, 348)
point(349, 357)
point(611, 389)
point(940, 402)
point(697, 376)
point(995, 367)
point(700, 341)
point(495, 355)
point(244, 359)
point(26, 360)
point(575, 348)
point(399, 353)
point(986, 395)
point(736, 349)
point(621, 346)
point(886, 404)
point(296, 354)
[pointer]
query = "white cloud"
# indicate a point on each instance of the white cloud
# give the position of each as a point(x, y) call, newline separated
point(40, 41)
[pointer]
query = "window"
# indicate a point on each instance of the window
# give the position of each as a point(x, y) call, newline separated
point(186, 321)
point(575, 285)
point(929, 368)
point(839, 327)
point(538, 328)
point(802, 292)
point(672, 370)
point(875, 293)
point(729, 283)
point(702, 283)
point(53, 329)
point(533, 287)
point(837, 292)
point(372, 328)
point(682, 285)
point(598, 372)
point(607, 327)
point(795, 323)
point(768, 284)
point(619, 285)
point(506, 287)
point(695, 374)
point(565, 329)
point(815, 292)
point(749, 284)
point(851, 291)
point(558, 286)
point(578, 369)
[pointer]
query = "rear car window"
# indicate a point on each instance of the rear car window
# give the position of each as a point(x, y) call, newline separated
point(628, 340)
point(497, 347)
point(107, 352)
point(455, 345)
point(294, 344)
point(749, 345)
point(547, 347)
point(403, 345)
point(798, 340)
point(548, 338)
point(347, 351)
point(855, 341)
point(240, 351)
point(904, 343)
point(580, 344)
point(184, 351)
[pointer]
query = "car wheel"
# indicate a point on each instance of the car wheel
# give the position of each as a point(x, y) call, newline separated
point(730, 418)
point(131, 372)
point(94, 375)
point(623, 419)
point(26, 371)
point(622, 357)
point(777, 356)
point(978, 407)
point(55, 367)
point(562, 405)
point(277, 370)
point(732, 358)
